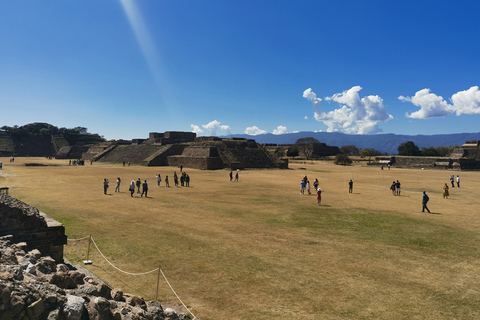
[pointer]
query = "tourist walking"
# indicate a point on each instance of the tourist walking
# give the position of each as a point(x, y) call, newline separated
point(319, 196)
point(139, 184)
point(425, 200)
point(231, 175)
point(132, 188)
point(117, 188)
point(350, 186)
point(167, 185)
point(397, 186)
point(308, 187)
point(452, 179)
point(315, 184)
point(105, 186)
point(144, 188)
point(458, 181)
point(236, 176)
point(187, 180)
point(159, 179)
point(445, 191)
point(302, 187)
point(175, 180)
point(392, 187)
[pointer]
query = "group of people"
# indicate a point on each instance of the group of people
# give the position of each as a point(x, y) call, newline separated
point(452, 181)
point(446, 188)
point(142, 187)
point(231, 176)
point(184, 179)
point(395, 187)
point(305, 185)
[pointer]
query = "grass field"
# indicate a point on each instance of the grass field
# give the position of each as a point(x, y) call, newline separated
point(257, 249)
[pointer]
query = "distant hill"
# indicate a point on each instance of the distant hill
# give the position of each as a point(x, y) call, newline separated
point(42, 139)
point(385, 143)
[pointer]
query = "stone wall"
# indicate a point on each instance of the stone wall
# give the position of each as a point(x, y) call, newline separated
point(63, 152)
point(203, 163)
point(33, 287)
point(160, 158)
point(417, 162)
point(26, 224)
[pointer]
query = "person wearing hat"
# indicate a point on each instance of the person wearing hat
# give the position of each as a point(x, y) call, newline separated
point(319, 196)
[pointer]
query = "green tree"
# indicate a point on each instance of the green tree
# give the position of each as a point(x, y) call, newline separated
point(430, 152)
point(292, 152)
point(350, 150)
point(408, 149)
point(305, 146)
point(342, 158)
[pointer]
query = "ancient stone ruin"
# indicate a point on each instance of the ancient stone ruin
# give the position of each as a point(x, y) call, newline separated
point(37, 283)
point(26, 224)
point(175, 148)
point(462, 158)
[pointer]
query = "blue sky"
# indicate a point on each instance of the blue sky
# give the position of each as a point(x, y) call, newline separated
point(125, 68)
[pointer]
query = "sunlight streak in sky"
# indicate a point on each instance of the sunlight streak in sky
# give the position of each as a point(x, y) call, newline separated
point(145, 41)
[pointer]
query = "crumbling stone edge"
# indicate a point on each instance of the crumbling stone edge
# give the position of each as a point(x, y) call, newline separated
point(34, 287)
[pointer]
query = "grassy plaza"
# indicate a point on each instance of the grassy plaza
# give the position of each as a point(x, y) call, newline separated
point(257, 249)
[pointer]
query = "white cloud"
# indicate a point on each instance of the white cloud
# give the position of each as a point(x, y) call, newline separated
point(253, 131)
point(431, 105)
point(214, 125)
point(356, 115)
point(196, 129)
point(467, 102)
point(311, 96)
point(280, 130)
point(226, 129)
point(306, 118)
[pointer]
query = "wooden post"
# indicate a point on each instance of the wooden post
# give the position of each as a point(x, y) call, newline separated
point(158, 283)
point(88, 261)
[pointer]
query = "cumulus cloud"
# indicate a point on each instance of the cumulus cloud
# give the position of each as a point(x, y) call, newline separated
point(467, 102)
point(196, 129)
point(355, 116)
point(311, 96)
point(432, 106)
point(280, 130)
point(214, 125)
point(253, 131)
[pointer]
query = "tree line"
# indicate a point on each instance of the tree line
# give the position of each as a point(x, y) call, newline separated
point(305, 146)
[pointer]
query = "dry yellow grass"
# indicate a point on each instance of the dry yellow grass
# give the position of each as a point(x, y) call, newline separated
point(257, 249)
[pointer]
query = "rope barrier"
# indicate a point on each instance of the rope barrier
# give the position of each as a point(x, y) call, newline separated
point(166, 280)
point(137, 274)
point(129, 273)
point(78, 239)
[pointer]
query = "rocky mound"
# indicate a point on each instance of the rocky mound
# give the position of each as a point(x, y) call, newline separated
point(34, 287)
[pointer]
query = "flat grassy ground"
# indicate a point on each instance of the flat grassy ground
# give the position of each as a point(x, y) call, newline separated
point(257, 249)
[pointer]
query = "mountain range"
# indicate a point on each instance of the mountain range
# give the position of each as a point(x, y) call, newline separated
point(385, 143)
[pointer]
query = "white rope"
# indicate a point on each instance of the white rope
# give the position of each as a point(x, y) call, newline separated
point(132, 274)
point(139, 274)
point(78, 239)
point(166, 280)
